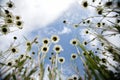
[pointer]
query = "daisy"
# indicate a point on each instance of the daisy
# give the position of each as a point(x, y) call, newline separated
point(86, 31)
point(10, 4)
point(4, 29)
point(84, 3)
point(75, 77)
point(17, 17)
point(61, 60)
point(46, 41)
point(14, 50)
point(55, 38)
point(9, 63)
point(74, 56)
point(44, 49)
point(57, 48)
point(85, 43)
point(9, 21)
point(74, 42)
point(28, 43)
point(108, 3)
point(19, 24)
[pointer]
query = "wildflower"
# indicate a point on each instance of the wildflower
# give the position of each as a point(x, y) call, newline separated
point(29, 57)
point(102, 44)
point(44, 49)
point(70, 78)
point(50, 58)
point(64, 21)
point(19, 24)
point(85, 43)
point(110, 49)
point(4, 29)
point(9, 64)
point(93, 0)
point(103, 24)
point(10, 4)
point(45, 41)
point(75, 77)
point(98, 24)
point(99, 10)
point(9, 15)
point(14, 37)
point(86, 31)
point(98, 48)
point(85, 4)
point(88, 21)
point(21, 56)
point(14, 50)
point(55, 38)
point(76, 25)
point(57, 48)
point(48, 68)
point(83, 22)
point(95, 51)
point(61, 60)
point(6, 11)
point(84, 53)
point(74, 42)
point(103, 52)
point(118, 3)
point(104, 60)
point(108, 4)
point(9, 21)
point(17, 17)
point(33, 53)
point(16, 61)
point(73, 56)
point(52, 53)
point(28, 43)
point(118, 20)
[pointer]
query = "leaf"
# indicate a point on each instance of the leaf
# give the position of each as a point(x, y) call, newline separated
point(32, 71)
point(41, 71)
point(25, 71)
point(14, 77)
point(2, 64)
point(20, 64)
point(7, 77)
point(28, 48)
point(118, 28)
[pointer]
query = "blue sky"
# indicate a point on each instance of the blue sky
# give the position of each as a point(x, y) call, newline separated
point(65, 32)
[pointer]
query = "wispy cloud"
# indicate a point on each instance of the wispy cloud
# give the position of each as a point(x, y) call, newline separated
point(65, 31)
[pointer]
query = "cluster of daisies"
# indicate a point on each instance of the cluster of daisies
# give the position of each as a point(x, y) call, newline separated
point(8, 19)
point(106, 19)
point(45, 46)
point(46, 43)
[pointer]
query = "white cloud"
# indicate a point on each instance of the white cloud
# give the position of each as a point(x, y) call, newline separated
point(114, 40)
point(35, 14)
point(65, 31)
point(40, 13)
